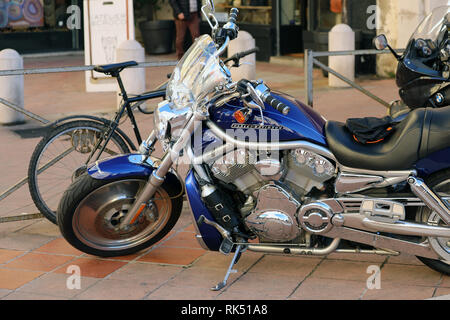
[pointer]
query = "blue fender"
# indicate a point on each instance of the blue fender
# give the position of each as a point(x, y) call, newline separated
point(129, 166)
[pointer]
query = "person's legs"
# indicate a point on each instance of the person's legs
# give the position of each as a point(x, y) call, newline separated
point(180, 26)
point(194, 26)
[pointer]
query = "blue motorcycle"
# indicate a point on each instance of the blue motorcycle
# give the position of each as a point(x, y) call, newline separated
point(268, 174)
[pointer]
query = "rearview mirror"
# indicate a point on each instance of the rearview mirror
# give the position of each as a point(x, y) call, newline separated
point(209, 16)
point(210, 5)
point(380, 42)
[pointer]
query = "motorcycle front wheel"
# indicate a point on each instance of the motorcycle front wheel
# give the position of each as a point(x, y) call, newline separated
point(91, 210)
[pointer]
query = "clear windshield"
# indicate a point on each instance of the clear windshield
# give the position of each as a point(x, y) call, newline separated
point(434, 26)
point(197, 74)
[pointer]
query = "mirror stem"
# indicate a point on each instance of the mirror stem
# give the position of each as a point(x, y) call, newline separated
point(394, 53)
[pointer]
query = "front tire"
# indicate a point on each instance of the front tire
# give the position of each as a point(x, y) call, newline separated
point(90, 211)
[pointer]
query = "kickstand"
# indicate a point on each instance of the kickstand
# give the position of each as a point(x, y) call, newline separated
point(222, 284)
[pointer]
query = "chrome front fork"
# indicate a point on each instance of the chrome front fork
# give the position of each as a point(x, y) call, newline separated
point(157, 177)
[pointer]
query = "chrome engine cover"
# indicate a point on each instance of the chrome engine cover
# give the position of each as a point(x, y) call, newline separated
point(243, 169)
point(274, 216)
point(249, 170)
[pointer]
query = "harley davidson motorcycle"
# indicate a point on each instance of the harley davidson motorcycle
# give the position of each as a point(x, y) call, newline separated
point(267, 174)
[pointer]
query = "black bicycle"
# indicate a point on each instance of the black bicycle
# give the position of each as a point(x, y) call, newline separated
point(71, 143)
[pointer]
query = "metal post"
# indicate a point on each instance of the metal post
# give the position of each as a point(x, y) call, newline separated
point(309, 65)
point(354, 85)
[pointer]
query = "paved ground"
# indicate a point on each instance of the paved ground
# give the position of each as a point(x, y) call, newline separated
point(36, 262)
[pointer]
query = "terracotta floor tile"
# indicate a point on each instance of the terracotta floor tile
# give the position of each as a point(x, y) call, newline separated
point(190, 228)
point(409, 275)
point(38, 262)
point(55, 284)
point(201, 278)
point(94, 268)
point(342, 270)
point(109, 289)
point(182, 240)
point(4, 292)
point(329, 289)
point(6, 255)
point(399, 292)
point(404, 259)
point(171, 292)
point(442, 292)
point(20, 241)
point(357, 257)
point(168, 255)
point(20, 295)
point(445, 281)
point(59, 246)
point(120, 258)
point(259, 285)
point(297, 267)
point(213, 259)
point(145, 272)
point(12, 279)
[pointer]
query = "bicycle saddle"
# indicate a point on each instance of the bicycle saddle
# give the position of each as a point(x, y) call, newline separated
point(421, 133)
point(114, 68)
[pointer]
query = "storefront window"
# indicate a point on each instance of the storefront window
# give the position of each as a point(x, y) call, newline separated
point(36, 14)
point(292, 12)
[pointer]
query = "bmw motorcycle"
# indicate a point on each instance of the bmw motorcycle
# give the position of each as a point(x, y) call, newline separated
point(423, 70)
point(267, 174)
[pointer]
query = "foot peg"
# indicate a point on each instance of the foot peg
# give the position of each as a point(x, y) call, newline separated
point(430, 198)
point(224, 233)
point(230, 270)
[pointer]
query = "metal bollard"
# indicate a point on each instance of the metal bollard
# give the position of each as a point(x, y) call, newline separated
point(341, 38)
point(11, 87)
point(132, 78)
point(247, 70)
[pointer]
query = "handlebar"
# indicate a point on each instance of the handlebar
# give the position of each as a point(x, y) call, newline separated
point(276, 104)
point(228, 32)
point(237, 56)
point(233, 15)
point(259, 91)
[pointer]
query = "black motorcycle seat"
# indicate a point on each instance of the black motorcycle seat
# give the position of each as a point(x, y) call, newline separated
point(421, 133)
point(115, 67)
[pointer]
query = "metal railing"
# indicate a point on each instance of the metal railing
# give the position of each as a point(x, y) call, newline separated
point(310, 61)
point(44, 121)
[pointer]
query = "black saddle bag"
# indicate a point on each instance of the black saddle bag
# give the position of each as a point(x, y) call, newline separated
point(370, 130)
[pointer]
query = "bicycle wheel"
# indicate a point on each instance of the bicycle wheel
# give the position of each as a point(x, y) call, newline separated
point(61, 156)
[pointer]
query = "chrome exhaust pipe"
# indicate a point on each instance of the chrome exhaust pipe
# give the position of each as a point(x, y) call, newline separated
point(296, 251)
point(431, 199)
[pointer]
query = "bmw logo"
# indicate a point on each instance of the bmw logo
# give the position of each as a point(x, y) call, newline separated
point(439, 98)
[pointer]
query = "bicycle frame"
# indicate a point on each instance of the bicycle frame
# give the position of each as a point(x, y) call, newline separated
point(125, 107)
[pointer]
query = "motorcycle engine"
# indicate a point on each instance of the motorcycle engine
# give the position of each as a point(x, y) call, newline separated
point(273, 186)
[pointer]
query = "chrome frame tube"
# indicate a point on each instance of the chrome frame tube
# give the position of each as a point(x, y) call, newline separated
point(359, 221)
point(431, 199)
point(267, 145)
